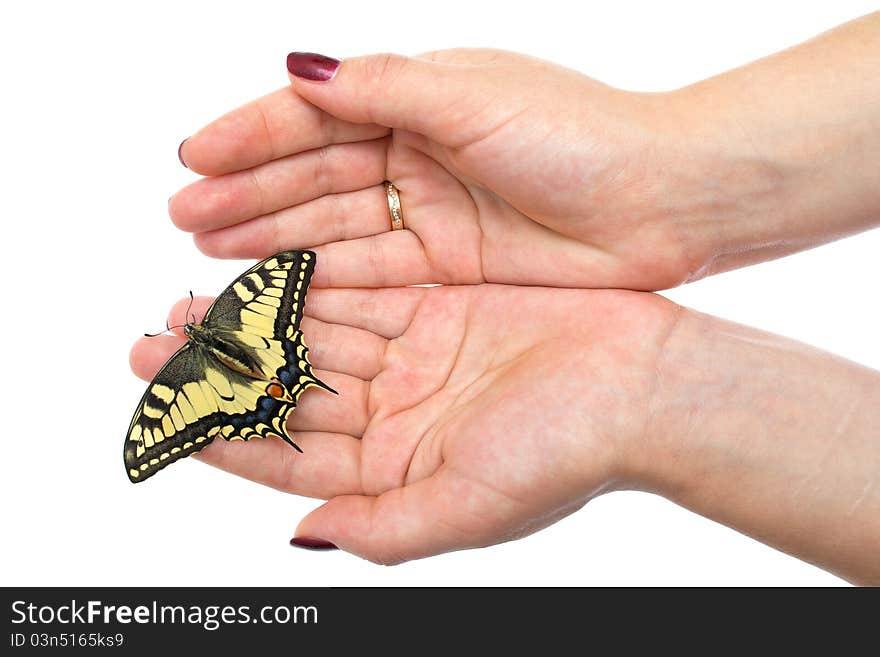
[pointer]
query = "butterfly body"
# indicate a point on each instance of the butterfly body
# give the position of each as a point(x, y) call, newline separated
point(224, 351)
point(238, 376)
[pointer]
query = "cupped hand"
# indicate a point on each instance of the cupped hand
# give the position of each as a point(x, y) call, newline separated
point(510, 169)
point(466, 416)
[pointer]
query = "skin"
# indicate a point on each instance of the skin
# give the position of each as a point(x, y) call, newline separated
point(430, 445)
point(472, 415)
point(514, 170)
point(519, 172)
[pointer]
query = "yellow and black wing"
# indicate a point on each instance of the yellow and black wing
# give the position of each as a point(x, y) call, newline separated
point(201, 393)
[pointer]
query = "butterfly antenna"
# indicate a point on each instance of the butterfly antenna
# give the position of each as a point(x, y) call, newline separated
point(189, 307)
point(168, 329)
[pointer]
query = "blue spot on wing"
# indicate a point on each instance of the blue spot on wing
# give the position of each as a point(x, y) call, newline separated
point(269, 407)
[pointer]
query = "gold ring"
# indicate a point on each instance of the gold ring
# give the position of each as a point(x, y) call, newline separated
point(394, 206)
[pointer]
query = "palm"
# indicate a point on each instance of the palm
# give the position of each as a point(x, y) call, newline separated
point(433, 386)
point(554, 183)
point(518, 231)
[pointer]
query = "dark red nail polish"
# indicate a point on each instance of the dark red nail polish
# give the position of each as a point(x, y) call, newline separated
point(312, 543)
point(311, 66)
point(179, 154)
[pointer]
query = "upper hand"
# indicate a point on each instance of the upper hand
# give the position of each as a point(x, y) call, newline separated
point(510, 169)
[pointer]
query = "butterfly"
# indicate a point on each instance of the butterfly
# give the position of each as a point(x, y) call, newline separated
point(238, 376)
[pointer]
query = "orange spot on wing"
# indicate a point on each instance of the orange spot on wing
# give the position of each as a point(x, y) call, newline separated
point(275, 390)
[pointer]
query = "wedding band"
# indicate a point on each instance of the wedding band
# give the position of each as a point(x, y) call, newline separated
point(394, 206)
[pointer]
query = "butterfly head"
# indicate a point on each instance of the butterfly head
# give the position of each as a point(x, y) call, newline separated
point(196, 332)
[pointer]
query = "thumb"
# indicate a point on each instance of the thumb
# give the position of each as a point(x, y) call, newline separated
point(406, 523)
point(428, 97)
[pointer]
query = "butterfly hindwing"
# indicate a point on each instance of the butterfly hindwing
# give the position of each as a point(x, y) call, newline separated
point(202, 392)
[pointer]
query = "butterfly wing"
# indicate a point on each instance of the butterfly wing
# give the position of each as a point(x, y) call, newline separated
point(194, 397)
point(260, 313)
point(267, 299)
point(173, 418)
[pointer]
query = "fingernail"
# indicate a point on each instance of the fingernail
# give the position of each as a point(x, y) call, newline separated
point(311, 66)
point(180, 154)
point(312, 543)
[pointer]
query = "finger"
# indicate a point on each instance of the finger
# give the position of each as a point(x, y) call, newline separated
point(389, 259)
point(330, 218)
point(470, 56)
point(188, 310)
point(320, 410)
point(328, 466)
point(434, 515)
point(279, 124)
point(148, 355)
point(433, 98)
point(343, 349)
point(386, 312)
point(212, 203)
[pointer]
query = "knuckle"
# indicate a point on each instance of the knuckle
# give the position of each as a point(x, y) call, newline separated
point(384, 557)
point(383, 72)
point(338, 213)
point(385, 67)
point(322, 173)
point(263, 118)
point(376, 262)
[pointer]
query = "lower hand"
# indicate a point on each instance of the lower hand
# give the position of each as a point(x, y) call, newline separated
point(466, 416)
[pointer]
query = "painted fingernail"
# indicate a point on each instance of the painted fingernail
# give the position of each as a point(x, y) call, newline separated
point(312, 543)
point(180, 153)
point(311, 66)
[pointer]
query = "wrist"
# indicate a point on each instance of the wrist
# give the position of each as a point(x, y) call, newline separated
point(717, 204)
point(780, 155)
point(733, 196)
point(769, 436)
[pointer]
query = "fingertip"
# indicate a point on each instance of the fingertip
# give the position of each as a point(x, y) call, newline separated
point(178, 211)
point(184, 309)
point(208, 243)
point(180, 153)
point(149, 354)
point(236, 141)
point(191, 154)
point(386, 89)
point(239, 241)
point(312, 67)
point(136, 357)
point(339, 521)
point(204, 204)
point(312, 543)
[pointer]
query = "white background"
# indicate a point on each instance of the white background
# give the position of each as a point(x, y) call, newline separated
point(97, 98)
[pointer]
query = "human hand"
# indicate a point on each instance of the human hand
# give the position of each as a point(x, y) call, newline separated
point(466, 416)
point(514, 170)
point(472, 415)
point(511, 170)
